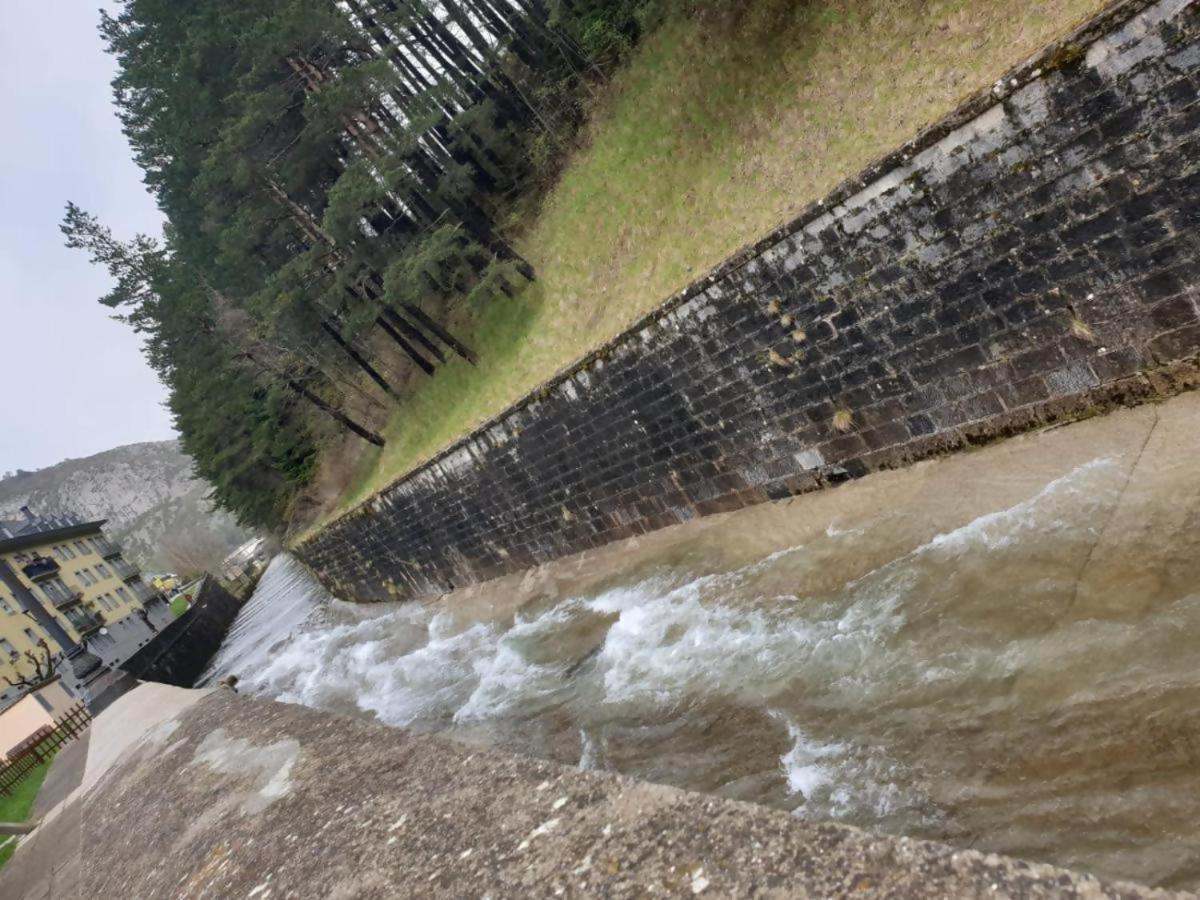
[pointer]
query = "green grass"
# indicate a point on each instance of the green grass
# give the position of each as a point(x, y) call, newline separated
point(15, 807)
point(715, 132)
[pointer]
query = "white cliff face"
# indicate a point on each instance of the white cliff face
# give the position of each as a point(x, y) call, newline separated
point(154, 505)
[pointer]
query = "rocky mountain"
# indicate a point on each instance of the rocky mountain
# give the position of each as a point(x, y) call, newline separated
point(155, 508)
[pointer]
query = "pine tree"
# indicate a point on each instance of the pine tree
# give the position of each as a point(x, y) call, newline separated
point(333, 175)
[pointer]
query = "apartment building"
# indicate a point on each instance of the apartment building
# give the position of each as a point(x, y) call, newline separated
point(75, 572)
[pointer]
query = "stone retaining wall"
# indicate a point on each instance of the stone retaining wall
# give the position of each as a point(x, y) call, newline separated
point(180, 653)
point(1035, 256)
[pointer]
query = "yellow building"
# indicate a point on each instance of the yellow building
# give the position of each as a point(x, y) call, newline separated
point(75, 573)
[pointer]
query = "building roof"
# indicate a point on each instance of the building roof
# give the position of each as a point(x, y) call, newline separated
point(32, 530)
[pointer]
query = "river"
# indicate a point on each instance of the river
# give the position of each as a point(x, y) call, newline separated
point(998, 650)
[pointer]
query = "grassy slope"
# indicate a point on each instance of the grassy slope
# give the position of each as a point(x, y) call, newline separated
point(714, 133)
point(15, 807)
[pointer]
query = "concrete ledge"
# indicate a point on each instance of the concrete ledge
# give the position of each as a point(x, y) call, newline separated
point(237, 797)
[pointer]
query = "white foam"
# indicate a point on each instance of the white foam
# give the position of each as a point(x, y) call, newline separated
point(667, 644)
point(999, 529)
point(507, 680)
point(809, 764)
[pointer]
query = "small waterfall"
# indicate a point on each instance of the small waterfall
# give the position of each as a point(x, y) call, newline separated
point(961, 689)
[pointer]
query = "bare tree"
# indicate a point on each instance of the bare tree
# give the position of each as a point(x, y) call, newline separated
point(44, 668)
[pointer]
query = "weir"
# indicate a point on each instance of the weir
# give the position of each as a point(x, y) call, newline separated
point(917, 680)
point(619, 669)
point(991, 650)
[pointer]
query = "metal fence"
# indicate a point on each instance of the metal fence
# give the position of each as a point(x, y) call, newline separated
point(41, 746)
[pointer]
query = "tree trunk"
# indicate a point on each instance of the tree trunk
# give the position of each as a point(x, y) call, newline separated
point(362, 361)
point(369, 436)
point(422, 363)
point(333, 412)
point(409, 331)
point(445, 336)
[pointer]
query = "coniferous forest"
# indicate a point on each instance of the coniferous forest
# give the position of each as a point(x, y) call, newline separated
point(335, 175)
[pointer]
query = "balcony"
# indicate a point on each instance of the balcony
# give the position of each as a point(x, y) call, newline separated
point(69, 599)
point(86, 623)
point(40, 567)
point(106, 548)
point(145, 593)
point(125, 570)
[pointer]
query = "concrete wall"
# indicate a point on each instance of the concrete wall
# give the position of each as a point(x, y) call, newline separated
point(218, 795)
point(1033, 257)
point(182, 650)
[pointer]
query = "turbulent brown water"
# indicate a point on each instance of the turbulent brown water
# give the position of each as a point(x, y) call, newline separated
point(999, 651)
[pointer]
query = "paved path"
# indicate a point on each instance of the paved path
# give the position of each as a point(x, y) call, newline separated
point(47, 862)
point(65, 775)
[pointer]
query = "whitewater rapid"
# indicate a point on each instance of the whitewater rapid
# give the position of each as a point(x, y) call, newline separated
point(926, 695)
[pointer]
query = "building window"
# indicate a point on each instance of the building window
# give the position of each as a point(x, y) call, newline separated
point(33, 638)
point(58, 552)
point(82, 548)
point(7, 607)
point(123, 594)
point(67, 550)
point(43, 702)
point(8, 650)
point(103, 570)
point(56, 590)
point(84, 576)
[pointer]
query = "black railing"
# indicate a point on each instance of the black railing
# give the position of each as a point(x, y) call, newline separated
point(86, 623)
point(57, 592)
point(125, 569)
point(70, 599)
point(40, 567)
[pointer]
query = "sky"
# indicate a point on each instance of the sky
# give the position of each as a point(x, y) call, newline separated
point(72, 381)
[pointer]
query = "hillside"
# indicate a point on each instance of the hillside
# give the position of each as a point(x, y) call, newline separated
point(155, 507)
point(723, 124)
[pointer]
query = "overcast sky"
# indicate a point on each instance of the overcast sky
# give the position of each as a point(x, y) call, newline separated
point(73, 381)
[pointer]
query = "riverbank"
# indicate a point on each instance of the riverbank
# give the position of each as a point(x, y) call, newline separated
point(725, 123)
point(221, 791)
point(1028, 260)
point(870, 655)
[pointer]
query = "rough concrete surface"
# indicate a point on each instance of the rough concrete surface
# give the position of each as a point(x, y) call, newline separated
point(143, 715)
point(229, 796)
